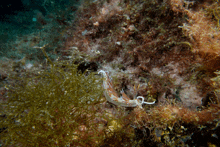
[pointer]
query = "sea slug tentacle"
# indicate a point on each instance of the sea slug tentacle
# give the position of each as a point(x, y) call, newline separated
point(123, 100)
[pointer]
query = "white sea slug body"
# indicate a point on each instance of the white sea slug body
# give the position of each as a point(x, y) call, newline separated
point(123, 100)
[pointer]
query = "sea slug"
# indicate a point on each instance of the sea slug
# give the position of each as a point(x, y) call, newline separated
point(123, 100)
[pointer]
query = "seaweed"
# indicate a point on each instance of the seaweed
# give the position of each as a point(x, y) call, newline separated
point(57, 107)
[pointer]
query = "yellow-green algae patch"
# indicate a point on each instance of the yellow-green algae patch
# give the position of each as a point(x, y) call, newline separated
point(55, 108)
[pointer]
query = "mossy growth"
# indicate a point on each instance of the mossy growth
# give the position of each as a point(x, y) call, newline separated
point(55, 108)
point(216, 85)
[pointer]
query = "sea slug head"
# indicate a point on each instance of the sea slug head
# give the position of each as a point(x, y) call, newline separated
point(103, 73)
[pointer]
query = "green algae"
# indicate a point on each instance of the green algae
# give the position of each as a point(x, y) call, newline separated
point(48, 109)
